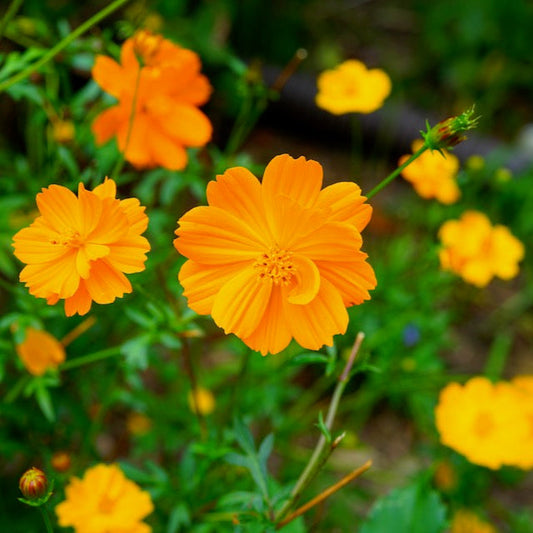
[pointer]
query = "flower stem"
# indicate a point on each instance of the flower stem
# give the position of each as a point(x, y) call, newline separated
point(90, 358)
point(122, 158)
point(325, 494)
point(397, 171)
point(10, 13)
point(82, 28)
point(46, 519)
point(321, 453)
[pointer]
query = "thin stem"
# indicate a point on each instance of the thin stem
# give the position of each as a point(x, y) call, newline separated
point(122, 158)
point(46, 519)
point(62, 44)
point(189, 368)
point(396, 172)
point(320, 453)
point(80, 329)
point(90, 358)
point(325, 494)
point(16, 389)
point(10, 13)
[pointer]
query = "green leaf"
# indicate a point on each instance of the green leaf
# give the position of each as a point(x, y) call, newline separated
point(413, 509)
point(323, 428)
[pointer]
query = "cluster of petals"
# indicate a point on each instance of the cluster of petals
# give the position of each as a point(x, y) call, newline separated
point(80, 247)
point(104, 501)
point(40, 351)
point(433, 174)
point(352, 88)
point(277, 259)
point(478, 251)
point(491, 424)
point(465, 521)
point(158, 87)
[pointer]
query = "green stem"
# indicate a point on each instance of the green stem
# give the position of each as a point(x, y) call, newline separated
point(122, 158)
point(11, 396)
point(90, 358)
point(396, 172)
point(320, 453)
point(10, 13)
point(62, 44)
point(46, 519)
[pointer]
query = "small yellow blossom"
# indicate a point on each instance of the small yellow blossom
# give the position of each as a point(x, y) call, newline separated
point(483, 421)
point(475, 162)
point(352, 88)
point(478, 251)
point(104, 501)
point(203, 399)
point(40, 351)
point(63, 131)
point(433, 174)
point(138, 424)
point(468, 522)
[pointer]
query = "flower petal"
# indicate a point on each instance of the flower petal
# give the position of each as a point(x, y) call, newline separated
point(240, 304)
point(106, 125)
point(34, 245)
point(202, 283)
point(298, 179)
point(129, 254)
point(346, 203)
point(165, 150)
point(238, 191)
point(59, 207)
point(353, 279)
point(210, 235)
point(109, 75)
point(105, 283)
point(307, 280)
point(272, 333)
point(80, 302)
point(314, 324)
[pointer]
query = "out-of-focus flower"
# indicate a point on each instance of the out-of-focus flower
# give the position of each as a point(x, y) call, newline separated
point(163, 83)
point(61, 461)
point(277, 260)
point(138, 424)
point(464, 521)
point(524, 387)
point(202, 399)
point(475, 162)
point(482, 421)
point(80, 247)
point(352, 88)
point(104, 501)
point(503, 175)
point(445, 476)
point(433, 174)
point(33, 484)
point(40, 351)
point(63, 131)
point(478, 251)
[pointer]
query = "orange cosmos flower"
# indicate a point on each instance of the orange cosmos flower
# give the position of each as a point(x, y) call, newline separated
point(351, 87)
point(80, 247)
point(164, 82)
point(478, 251)
point(433, 174)
point(40, 351)
point(279, 259)
point(104, 501)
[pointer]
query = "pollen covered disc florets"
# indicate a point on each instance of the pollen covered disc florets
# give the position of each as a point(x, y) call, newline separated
point(275, 266)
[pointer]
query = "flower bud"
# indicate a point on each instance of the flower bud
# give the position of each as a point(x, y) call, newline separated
point(450, 132)
point(33, 484)
point(61, 461)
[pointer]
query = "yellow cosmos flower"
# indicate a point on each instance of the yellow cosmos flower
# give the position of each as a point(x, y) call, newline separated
point(352, 88)
point(104, 501)
point(40, 351)
point(279, 259)
point(80, 247)
point(524, 387)
point(432, 175)
point(478, 251)
point(468, 522)
point(482, 421)
point(203, 399)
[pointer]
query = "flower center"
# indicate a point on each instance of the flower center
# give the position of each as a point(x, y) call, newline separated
point(106, 505)
point(275, 266)
point(146, 46)
point(69, 237)
point(483, 424)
